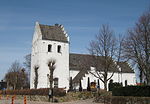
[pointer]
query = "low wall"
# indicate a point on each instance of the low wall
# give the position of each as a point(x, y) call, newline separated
point(122, 100)
point(28, 97)
point(71, 96)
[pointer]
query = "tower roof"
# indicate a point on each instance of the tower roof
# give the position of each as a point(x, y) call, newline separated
point(56, 33)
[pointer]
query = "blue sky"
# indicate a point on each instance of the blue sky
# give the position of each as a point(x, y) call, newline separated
point(81, 19)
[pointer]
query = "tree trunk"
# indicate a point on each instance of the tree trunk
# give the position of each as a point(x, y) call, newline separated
point(51, 84)
point(148, 78)
point(105, 85)
point(141, 76)
point(14, 86)
point(51, 80)
point(7, 85)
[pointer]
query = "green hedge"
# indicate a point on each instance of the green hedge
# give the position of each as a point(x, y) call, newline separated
point(143, 91)
point(42, 91)
point(111, 86)
point(122, 100)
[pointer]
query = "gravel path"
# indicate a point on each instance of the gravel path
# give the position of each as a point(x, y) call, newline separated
point(88, 101)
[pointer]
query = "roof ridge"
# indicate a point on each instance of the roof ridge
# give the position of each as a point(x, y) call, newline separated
point(80, 54)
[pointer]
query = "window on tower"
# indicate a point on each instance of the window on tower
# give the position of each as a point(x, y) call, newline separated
point(59, 49)
point(49, 48)
point(55, 82)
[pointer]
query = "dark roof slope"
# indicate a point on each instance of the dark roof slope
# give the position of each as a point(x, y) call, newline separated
point(125, 67)
point(79, 76)
point(55, 33)
point(80, 61)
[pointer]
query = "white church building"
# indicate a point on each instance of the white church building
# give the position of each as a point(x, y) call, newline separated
point(52, 42)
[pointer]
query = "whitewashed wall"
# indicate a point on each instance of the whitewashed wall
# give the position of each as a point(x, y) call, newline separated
point(41, 56)
point(34, 55)
point(130, 77)
point(73, 73)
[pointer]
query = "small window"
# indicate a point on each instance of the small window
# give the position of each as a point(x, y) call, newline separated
point(59, 49)
point(49, 48)
point(55, 82)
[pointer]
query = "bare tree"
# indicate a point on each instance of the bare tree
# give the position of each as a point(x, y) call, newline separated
point(51, 65)
point(27, 62)
point(10, 78)
point(120, 56)
point(103, 49)
point(36, 76)
point(23, 79)
point(16, 76)
point(137, 46)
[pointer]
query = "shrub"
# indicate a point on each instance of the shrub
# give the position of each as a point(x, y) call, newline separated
point(42, 91)
point(122, 100)
point(114, 85)
point(132, 91)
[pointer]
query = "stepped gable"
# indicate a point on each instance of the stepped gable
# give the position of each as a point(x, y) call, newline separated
point(56, 33)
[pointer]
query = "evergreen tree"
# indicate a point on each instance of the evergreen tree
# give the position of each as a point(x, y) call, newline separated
point(70, 85)
point(98, 84)
point(80, 86)
point(88, 85)
point(126, 83)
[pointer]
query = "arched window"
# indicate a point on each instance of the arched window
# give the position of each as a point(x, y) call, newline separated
point(59, 49)
point(49, 48)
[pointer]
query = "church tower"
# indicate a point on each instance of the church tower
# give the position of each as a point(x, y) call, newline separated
point(50, 43)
